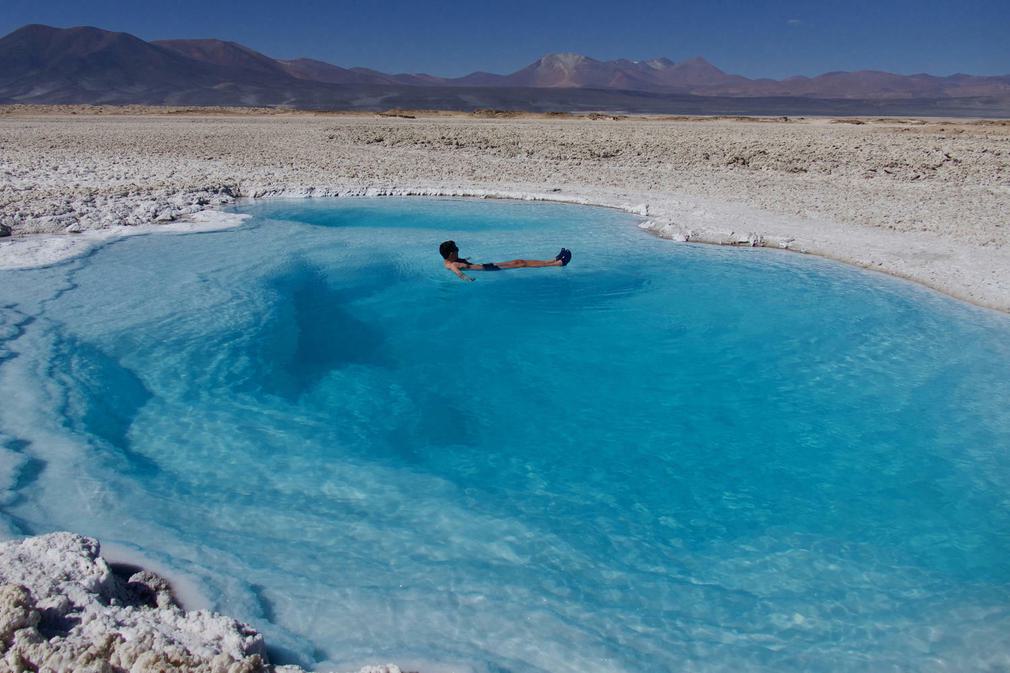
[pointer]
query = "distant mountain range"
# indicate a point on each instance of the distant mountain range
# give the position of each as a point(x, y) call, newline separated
point(42, 64)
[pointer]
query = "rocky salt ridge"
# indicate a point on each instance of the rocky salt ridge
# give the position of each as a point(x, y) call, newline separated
point(64, 610)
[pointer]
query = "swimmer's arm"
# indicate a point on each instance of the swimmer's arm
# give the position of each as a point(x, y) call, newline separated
point(455, 268)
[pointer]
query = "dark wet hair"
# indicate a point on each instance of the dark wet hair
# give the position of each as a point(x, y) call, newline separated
point(447, 248)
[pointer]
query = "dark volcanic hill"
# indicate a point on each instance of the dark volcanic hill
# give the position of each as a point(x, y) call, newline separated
point(226, 55)
point(40, 64)
point(320, 71)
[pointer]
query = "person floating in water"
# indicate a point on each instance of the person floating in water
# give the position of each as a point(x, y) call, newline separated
point(456, 264)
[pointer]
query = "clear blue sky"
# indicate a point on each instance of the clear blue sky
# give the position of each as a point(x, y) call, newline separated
point(757, 38)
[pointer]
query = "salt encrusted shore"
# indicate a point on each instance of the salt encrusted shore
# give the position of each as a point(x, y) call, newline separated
point(923, 199)
point(63, 609)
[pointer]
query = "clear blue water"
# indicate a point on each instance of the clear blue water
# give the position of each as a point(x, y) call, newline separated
point(663, 457)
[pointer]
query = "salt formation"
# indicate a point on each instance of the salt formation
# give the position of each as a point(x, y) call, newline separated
point(63, 609)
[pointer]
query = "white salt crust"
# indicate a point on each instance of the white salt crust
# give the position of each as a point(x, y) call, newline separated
point(63, 609)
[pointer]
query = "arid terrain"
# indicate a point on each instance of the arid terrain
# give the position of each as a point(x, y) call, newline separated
point(923, 199)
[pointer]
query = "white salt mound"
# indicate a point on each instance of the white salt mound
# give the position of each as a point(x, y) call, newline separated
point(62, 609)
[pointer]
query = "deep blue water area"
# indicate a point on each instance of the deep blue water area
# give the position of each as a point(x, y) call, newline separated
point(662, 457)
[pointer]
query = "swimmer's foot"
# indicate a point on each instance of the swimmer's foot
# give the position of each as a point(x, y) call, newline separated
point(564, 256)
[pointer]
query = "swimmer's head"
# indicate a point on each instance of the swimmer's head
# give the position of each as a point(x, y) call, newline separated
point(448, 249)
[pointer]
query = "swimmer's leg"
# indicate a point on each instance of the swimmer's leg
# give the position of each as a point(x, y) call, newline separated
point(527, 263)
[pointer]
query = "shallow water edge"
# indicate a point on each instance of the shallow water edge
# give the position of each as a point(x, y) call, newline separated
point(682, 219)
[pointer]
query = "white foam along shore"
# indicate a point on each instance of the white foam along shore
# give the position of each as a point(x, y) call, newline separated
point(37, 250)
point(926, 202)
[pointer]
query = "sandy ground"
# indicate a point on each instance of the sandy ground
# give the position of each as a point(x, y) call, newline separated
point(924, 199)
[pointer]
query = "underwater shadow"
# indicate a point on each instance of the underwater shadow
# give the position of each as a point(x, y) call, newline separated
point(313, 329)
point(103, 397)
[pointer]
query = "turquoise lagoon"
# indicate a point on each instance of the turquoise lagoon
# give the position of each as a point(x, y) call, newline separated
point(663, 457)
